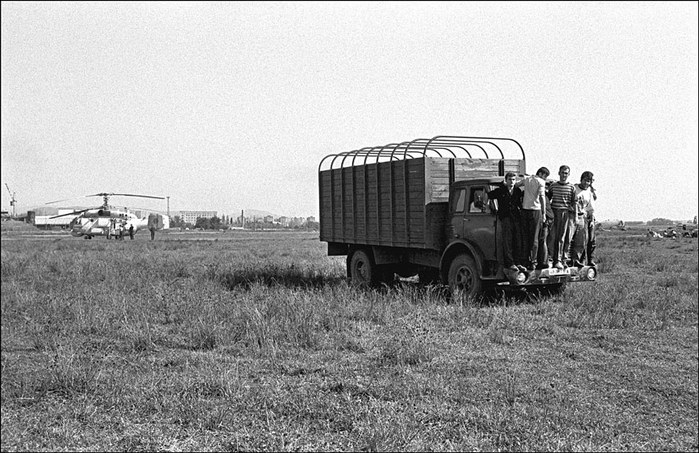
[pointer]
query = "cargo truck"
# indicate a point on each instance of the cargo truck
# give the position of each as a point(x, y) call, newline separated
point(421, 207)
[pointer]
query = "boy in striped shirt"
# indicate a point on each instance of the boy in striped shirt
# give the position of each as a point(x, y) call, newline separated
point(563, 206)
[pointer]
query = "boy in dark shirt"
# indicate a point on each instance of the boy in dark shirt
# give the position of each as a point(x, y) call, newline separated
point(509, 204)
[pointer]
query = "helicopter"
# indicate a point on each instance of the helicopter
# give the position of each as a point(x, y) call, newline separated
point(106, 221)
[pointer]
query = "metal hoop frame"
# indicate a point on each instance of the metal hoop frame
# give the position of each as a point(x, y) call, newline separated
point(451, 146)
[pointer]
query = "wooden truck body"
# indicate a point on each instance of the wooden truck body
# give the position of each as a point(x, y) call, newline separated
point(392, 205)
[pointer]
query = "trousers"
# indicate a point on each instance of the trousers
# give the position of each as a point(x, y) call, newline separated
point(531, 224)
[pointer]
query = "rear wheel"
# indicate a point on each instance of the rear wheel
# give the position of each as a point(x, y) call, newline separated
point(463, 276)
point(362, 270)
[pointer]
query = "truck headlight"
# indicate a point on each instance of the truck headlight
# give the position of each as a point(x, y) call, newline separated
point(591, 273)
point(521, 277)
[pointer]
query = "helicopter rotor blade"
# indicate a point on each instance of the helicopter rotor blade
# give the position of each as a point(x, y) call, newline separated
point(76, 213)
point(65, 199)
point(140, 196)
point(124, 195)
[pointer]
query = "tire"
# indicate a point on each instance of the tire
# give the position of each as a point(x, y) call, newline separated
point(463, 277)
point(362, 270)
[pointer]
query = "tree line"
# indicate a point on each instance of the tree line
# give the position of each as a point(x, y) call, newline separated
point(226, 222)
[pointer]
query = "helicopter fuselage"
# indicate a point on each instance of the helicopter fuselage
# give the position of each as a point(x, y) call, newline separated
point(105, 222)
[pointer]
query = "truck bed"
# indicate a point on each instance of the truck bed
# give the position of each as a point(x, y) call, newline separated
point(399, 203)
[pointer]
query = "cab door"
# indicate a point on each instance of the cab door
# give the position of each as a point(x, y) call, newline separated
point(479, 221)
point(457, 210)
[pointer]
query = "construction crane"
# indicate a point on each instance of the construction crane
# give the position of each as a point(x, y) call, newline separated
point(13, 201)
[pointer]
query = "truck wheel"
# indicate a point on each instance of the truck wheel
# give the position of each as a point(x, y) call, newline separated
point(463, 276)
point(362, 271)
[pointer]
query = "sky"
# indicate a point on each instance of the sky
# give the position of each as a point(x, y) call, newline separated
point(231, 106)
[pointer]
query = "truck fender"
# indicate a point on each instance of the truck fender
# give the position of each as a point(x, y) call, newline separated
point(454, 249)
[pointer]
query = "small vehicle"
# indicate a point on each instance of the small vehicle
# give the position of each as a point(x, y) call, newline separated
point(421, 207)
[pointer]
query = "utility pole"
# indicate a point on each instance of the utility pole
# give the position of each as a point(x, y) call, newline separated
point(168, 207)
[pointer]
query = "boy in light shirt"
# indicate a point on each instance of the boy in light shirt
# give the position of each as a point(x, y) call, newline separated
point(533, 215)
point(584, 199)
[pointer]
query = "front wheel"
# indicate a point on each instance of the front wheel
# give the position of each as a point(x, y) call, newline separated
point(463, 276)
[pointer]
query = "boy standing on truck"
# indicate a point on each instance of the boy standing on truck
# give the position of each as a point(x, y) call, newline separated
point(545, 236)
point(533, 213)
point(591, 227)
point(583, 217)
point(563, 205)
point(509, 201)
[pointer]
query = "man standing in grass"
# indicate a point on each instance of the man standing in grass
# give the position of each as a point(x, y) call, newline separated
point(563, 205)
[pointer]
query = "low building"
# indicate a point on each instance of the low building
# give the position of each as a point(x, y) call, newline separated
point(192, 216)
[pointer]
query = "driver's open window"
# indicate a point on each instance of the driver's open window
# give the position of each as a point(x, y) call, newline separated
point(478, 201)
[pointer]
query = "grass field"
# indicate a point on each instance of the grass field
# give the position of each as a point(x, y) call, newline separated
point(254, 341)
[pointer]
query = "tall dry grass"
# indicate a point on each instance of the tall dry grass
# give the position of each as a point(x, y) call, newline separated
point(254, 341)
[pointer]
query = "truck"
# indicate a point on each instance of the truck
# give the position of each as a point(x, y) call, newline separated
point(421, 207)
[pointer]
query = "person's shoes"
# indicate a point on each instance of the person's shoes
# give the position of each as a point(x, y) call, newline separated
point(530, 267)
point(513, 268)
point(558, 265)
point(591, 263)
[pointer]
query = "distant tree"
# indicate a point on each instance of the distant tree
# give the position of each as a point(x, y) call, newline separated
point(177, 222)
point(660, 221)
point(209, 223)
point(695, 220)
point(215, 223)
point(203, 222)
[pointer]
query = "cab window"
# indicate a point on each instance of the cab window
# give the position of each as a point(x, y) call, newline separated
point(478, 201)
point(459, 201)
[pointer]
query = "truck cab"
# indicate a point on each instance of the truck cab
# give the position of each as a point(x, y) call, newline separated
point(472, 217)
point(473, 256)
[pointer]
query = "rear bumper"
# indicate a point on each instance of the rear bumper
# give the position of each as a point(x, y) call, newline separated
point(550, 276)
